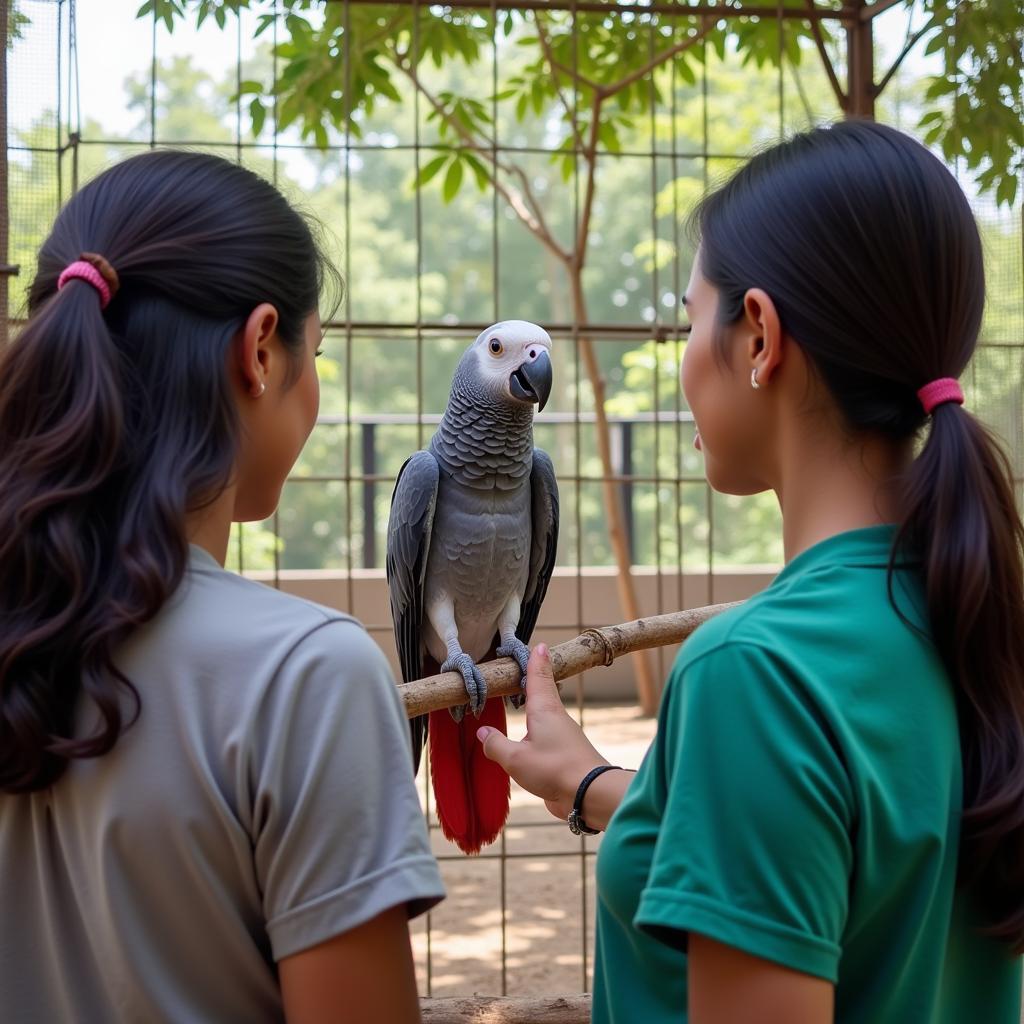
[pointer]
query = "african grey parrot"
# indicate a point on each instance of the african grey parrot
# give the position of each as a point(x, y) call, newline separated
point(471, 547)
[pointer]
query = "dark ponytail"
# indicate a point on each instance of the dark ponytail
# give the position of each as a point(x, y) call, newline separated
point(115, 424)
point(961, 515)
point(868, 248)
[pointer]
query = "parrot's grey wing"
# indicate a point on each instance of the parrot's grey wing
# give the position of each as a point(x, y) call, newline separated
point(544, 498)
point(409, 528)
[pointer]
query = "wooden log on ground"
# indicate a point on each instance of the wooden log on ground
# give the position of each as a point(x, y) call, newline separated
point(592, 648)
point(506, 1010)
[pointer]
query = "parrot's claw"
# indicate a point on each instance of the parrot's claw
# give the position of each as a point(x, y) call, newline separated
point(476, 688)
point(515, 648)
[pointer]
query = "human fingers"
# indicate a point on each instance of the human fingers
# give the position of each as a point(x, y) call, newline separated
point(496, 745)
point(533, 769)
point(541, 691)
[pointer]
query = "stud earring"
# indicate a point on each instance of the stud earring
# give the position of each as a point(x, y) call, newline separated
point(753, 379)
point(262, 388)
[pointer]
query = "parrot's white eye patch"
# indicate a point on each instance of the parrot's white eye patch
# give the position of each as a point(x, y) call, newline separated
point(496, 347)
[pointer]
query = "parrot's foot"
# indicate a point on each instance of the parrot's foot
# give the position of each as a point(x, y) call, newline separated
point(476, 688)
point(515, 648)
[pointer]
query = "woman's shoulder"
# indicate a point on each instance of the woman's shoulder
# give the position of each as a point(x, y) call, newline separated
point(218, 599)
point(736, 627)
point(831, 641)
point(241, 636)
point(812, 613)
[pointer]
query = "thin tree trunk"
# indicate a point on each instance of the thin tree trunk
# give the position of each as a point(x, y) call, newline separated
point(646, 687)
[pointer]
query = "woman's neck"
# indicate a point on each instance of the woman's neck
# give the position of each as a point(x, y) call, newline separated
point(210, 527)
point(829, 488)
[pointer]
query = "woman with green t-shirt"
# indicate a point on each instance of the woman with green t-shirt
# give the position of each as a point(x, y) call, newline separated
point(829, 824)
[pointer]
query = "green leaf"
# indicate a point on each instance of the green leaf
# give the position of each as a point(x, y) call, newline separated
point(685, 72)
point(258, 113)
point(537, 96)
point(430, 169)
point(568, 166)
point(297, 27)
point(609, 137)
point(939, 87)
point(452, 180)
point(1007, 190)
point(483, 179)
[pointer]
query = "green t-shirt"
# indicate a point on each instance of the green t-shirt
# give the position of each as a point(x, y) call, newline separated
point(801, 802)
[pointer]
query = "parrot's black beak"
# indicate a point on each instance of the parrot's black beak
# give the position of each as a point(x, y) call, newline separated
point(532, 381)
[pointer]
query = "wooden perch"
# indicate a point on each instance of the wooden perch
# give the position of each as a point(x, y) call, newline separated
point(502, 1010)
point(593, 647)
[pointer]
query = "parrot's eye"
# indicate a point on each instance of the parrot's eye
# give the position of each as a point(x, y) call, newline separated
point(496, 347)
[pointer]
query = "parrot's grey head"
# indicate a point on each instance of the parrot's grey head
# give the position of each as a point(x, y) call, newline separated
point(512, 359)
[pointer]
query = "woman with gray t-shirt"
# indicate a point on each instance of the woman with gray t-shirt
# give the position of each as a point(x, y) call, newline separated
point(207, 810)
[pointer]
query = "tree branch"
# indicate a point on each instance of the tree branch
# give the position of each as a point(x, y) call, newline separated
point(570, 110)
point(604, 91)
point(910, 44)
point(531, 199)
point(830, 70)
point(592, 648)
point(577, 76)
point(532, 218)
point(590, 155)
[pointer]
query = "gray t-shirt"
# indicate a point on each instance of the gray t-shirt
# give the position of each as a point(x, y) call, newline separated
point(262, 803)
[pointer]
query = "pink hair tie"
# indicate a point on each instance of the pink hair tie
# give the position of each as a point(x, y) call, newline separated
point(86, 272)
point(945, 389)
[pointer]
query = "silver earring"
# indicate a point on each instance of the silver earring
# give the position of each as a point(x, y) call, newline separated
point(753, 379)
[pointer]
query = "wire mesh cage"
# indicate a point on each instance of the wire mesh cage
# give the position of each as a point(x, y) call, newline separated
point(439, 231)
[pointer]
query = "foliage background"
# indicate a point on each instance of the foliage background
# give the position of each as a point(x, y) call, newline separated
point(452, 252)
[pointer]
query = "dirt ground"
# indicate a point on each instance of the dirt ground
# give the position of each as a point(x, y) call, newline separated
point(546, 876)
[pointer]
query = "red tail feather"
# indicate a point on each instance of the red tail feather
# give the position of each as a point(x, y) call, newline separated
point(471, 793)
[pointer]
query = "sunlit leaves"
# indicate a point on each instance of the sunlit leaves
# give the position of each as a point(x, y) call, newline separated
point(456, 164)
point(582, 60)
point(17, 22)
point(978, 116)
point(459, 115)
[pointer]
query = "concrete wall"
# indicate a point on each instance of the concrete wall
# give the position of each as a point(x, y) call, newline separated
point(573, 602)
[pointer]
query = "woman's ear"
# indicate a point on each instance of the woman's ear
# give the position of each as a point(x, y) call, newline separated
point(255, 355)
point(765, 342)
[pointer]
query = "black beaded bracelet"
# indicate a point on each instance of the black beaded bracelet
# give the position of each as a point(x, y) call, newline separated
point(577, 825)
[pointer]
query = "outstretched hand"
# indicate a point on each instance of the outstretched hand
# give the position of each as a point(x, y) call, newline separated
point(555, 754)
